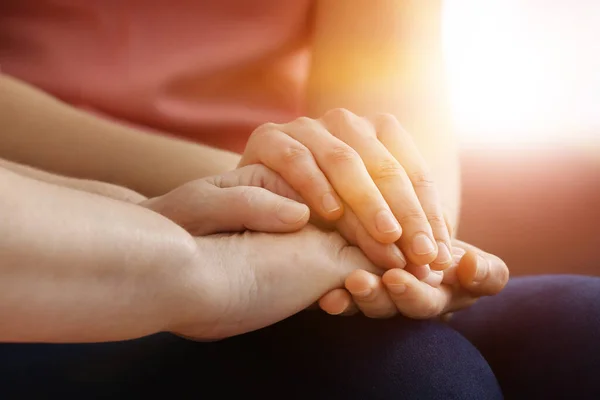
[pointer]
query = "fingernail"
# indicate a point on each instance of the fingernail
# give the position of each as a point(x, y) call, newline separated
point(422, 245)
point(291, 212)
point(482, 269)
point(438, 273)
point(397, 289)
point(397, 253)
point(443, 256)
point(330, 204)
point(363, 293)
point(386, 222)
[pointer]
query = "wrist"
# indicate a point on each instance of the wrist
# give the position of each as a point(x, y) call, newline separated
point(194, 291)
point(169, 279)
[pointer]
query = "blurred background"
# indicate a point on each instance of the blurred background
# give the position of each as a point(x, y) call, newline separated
point(524, 79)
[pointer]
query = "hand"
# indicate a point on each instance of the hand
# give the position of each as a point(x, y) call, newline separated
point(473, 274)
point(253, 197)
point(243, 282)
point(370, 164)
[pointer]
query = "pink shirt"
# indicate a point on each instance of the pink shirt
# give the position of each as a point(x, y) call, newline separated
point(209, 70)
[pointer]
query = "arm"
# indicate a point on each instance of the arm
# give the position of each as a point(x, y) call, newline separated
point(386, 56)
point(41, 131)
point(80, 267)
point(86, 185)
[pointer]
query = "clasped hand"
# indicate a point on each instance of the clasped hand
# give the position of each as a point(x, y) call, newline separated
point(384, 246)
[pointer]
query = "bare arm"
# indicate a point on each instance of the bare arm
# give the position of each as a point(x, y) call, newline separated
point(373, 56)
point(102, 188)
point(39, 130)
point(80, 267)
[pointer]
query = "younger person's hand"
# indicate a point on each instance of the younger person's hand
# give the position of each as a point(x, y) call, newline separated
point(474, 273)
point(369, 164)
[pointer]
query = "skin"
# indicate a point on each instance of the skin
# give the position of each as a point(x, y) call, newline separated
point(373, 60)
point(139, 273)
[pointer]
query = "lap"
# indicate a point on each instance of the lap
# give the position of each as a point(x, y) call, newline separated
point(310, 355)
point(541, 336)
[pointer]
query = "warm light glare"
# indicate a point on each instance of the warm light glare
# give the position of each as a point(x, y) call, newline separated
point(524, 70)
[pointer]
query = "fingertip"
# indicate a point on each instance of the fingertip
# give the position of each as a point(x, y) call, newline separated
point(435, 278)
point(292, 213)
point(466, 269)
point(336, 302)
point(443, 260)
point(420, 272)
point(360, 283)
point(422, 249)
point(330, 206)
point(397, 281)
point(386, 227)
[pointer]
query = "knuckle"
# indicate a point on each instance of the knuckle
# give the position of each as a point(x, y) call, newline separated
point(421, 179)
point(294, 153)
point(387, 169)
point(412, 215)
point(387, 118)
point(307, 179)
point(362, 199)
point(341, 153)
point(339, 114)
point(265, 129)
point(436, 220)
point(304, 121)
point(388, 124)
point(248, 196)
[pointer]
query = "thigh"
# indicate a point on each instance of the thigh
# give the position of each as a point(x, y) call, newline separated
point(311, 355)
point(541, 336)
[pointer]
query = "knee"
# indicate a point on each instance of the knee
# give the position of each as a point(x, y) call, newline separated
point(398, 358)
point(540, 335)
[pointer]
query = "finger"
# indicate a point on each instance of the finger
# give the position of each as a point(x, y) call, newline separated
point(243, 208)
point(425, 274)
point(391, 180)
point(336, 302)
point(419, 271)
point(435, 278)
point(270, 146)
point(450, 276)
point(416, 299)
point(369, 295)
point(348, 175)
point(385, 256)
point(403, 148)
point(256, 175)
point(350, 311)
point(482, 274)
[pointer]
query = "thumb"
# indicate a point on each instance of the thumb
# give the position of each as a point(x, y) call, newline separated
point(241, 208)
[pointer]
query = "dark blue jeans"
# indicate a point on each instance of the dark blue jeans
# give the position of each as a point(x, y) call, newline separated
point(540, 338)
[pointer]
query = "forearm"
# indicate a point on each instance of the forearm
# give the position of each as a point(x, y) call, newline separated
point(102, 188)
point(386, 56)
point(41, 131)
point(79, 267)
